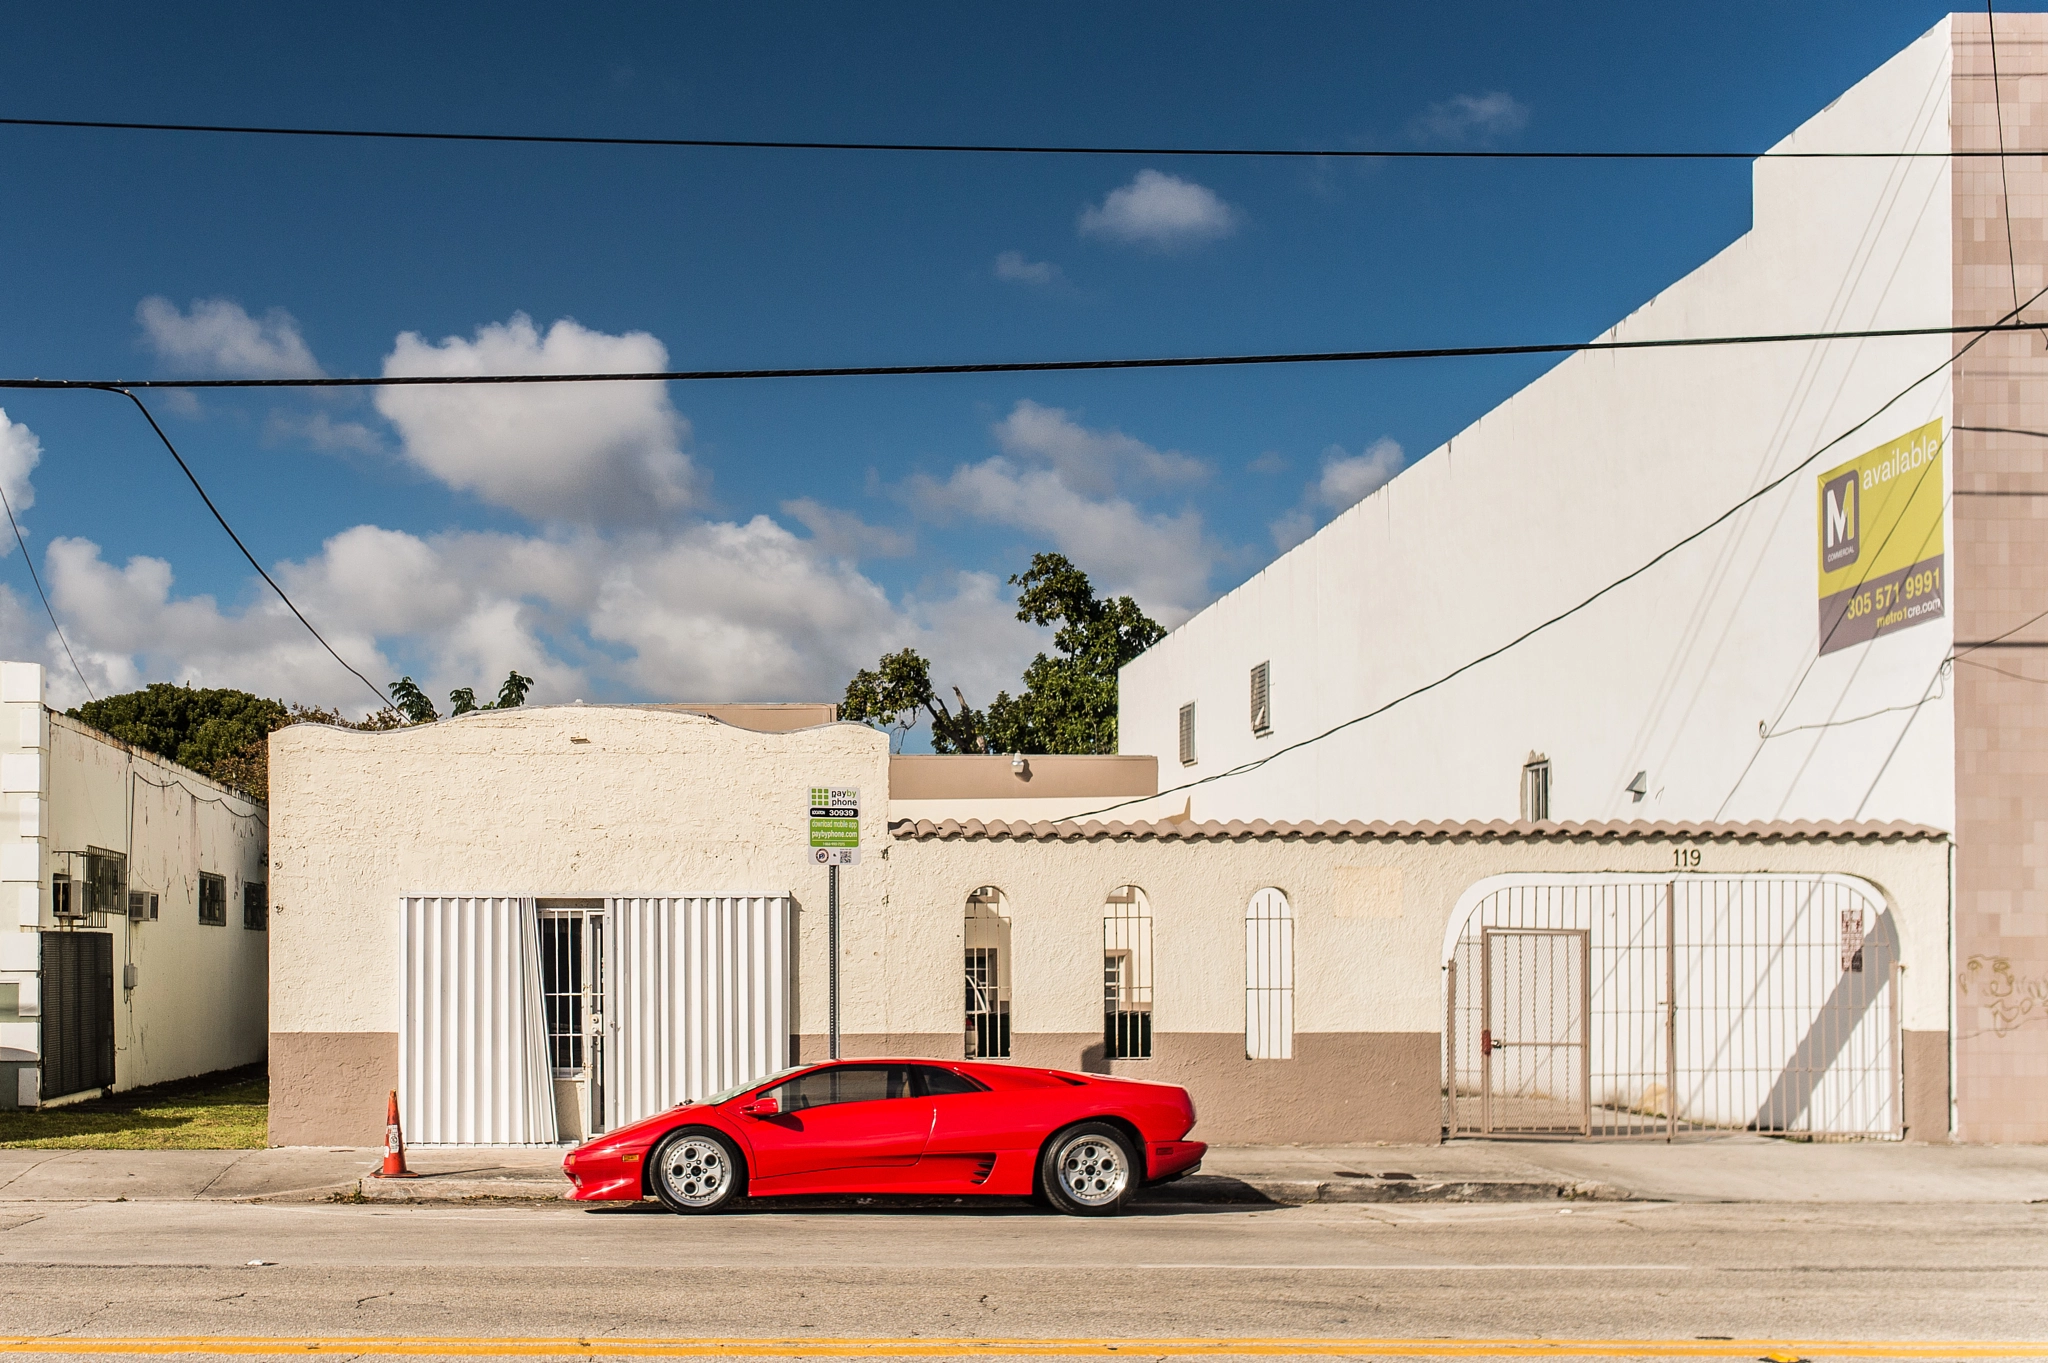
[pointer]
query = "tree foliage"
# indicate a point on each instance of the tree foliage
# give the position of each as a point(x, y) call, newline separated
point(418, 708)
point(217, 732)
point(1068, 700)
point(225, 734)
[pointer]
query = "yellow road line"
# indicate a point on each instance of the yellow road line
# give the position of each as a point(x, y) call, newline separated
point(460, 1346)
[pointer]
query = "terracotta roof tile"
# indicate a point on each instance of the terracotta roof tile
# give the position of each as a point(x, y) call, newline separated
point(1800, 830)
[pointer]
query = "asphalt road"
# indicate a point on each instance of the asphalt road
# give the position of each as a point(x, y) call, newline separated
point(1635, 1271)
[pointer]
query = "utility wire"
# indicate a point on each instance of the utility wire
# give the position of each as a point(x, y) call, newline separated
point(995, 148)
point(2004, 185)
point(36, 578)
point(1748, 500)
point(1036, 366)
point(194, 480)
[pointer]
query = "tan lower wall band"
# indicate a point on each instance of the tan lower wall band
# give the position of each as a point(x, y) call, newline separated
point(814, 1347)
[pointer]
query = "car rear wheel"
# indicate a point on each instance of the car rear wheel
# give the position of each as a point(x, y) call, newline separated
point(696, 1170)
point(1088, 1170)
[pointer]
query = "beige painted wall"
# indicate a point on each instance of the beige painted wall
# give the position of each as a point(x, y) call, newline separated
point(597, 801)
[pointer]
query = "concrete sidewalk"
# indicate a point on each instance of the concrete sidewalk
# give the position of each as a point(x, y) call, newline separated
point(1732, 1168)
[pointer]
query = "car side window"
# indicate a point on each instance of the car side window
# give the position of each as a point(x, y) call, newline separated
point(843, 1084)
point(939, 1083)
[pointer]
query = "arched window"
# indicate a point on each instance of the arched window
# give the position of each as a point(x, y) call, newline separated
point(987, 935)
point(1127, 975)
point(1269, 977)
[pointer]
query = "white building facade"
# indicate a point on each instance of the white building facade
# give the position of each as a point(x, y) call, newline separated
point(135, 939)
point(1797, 581)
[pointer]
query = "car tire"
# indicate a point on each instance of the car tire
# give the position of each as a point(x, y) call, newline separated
point(696, 1171)
point(1089, 1169)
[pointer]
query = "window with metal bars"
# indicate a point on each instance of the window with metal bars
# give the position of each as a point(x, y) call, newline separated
point(1262, 699)
point(568, 989)
point(255, 906)
point(1536, 789)
point(1187, 734)
point(1269, 977)
point(213, 900)
point(1127, 975)
point(987, 936)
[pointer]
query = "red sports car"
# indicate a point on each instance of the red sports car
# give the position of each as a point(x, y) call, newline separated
point(1082, 1142)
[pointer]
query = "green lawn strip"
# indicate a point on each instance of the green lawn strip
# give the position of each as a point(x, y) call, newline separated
point(225, 1111)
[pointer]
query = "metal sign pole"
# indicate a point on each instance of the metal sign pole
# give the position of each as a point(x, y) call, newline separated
point(832, 945)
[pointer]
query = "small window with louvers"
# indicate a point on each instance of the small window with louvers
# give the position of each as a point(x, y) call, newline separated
point(1262, 699)
point(1187, 734)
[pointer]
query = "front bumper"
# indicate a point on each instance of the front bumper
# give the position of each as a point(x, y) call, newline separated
point(604, 1178)
point(1166, 1160)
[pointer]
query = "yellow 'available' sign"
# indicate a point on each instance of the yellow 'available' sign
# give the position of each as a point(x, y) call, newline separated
point(1881, 547)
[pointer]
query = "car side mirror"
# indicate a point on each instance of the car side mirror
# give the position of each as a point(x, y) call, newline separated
point(761, 1107)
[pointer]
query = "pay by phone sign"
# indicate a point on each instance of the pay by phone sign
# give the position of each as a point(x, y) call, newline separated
point(835, 825)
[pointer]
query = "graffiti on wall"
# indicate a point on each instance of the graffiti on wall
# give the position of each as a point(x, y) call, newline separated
point(2013, 1001)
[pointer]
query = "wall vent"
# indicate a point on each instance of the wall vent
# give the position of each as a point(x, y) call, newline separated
point(1262, 699)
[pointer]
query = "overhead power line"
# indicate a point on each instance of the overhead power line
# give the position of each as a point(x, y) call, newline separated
point(193, 478)
point(1034, 366)
point(995, 148)
point(37, 578)
point(1425, 688)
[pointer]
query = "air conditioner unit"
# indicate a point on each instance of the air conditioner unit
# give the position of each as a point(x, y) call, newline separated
point(142, 906)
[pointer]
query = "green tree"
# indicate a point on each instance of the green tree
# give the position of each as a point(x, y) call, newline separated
point(220, 733)
point(1068, 700)
point(418, 708)
point(193, 726)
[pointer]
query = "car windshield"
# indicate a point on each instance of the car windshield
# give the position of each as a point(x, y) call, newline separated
point(727, 1095)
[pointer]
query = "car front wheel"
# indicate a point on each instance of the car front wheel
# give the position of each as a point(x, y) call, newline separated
point(696, 1170)
point(1088, 1170)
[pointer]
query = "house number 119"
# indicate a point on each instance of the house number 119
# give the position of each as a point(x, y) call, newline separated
point(1685, 858)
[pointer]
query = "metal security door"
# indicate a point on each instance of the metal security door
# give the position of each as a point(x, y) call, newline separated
point(572, 995)
point(1533, 1044)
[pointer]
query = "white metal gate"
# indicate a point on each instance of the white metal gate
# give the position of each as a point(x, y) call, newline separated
point(1641, 1006)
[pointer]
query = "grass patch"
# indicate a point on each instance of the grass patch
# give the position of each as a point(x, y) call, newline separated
point(226, 1110)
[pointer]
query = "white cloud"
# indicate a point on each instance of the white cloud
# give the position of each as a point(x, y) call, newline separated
point(220, 337)
point(1092, 461)
point(1015, 268)
point(1343, 481)
point(1472, 118)
point(585, 453)
point(845, 535)
point(20, 452)
point(1346, 479)
point(1160, 210)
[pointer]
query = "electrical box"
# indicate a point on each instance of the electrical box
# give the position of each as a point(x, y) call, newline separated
point(130, 973)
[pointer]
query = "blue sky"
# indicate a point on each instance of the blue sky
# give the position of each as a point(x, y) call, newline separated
point(760, 540)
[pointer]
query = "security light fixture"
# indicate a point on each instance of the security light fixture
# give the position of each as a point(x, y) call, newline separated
point(1639, 787)
point(1017, 764)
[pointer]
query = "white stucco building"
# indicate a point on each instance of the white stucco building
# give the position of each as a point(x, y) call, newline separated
point(1777, 644)
point(134, 890)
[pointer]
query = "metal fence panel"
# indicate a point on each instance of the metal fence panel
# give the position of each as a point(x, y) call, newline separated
point(1762, 1002)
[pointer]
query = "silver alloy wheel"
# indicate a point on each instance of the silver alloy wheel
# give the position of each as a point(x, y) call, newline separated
point(697, 1171)
point(1093, 1170)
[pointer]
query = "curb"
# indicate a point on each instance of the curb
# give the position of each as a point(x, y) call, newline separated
point(1196, 1188)
point(1302, 1192)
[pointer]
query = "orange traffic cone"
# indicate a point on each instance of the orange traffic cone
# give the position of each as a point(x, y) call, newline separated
point(394, 1144)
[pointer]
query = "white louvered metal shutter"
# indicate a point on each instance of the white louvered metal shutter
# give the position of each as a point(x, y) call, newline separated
point(697, 999)
point(472, 1051)
point(1262, 699)
point(1187, 734)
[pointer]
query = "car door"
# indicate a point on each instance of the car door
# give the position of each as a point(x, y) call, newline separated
point(836, 1121)
point(981, 1139)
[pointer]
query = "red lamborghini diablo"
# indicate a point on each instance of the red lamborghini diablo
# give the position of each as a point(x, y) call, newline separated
point(1082, 1142)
